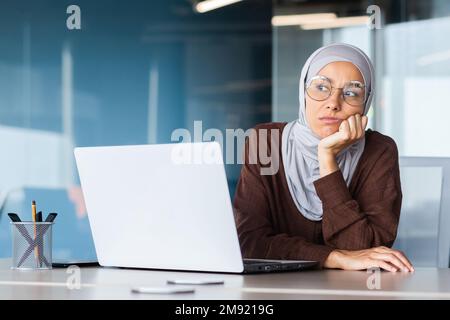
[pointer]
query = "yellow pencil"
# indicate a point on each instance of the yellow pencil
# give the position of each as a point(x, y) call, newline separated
point(33, 216)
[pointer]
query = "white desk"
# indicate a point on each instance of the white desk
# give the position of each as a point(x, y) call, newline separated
point(112, 283)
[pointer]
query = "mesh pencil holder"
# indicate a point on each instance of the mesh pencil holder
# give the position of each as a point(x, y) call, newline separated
point(31, 245)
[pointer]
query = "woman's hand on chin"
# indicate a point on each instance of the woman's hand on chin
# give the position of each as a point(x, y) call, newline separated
point(350, 130)
point(379, 257)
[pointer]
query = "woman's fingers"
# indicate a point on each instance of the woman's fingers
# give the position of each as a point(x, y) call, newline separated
point(376, 263)
point(350, 130)
point(352, 124)
point(381, 257)
point(345, 128)
point(399, 255)
point(405, 260)
point(359, 129)
point(386, 266)
point(364, 120)
point(393, 259)
point(357, 125)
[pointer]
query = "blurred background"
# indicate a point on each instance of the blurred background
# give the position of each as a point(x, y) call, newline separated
point(139, 69)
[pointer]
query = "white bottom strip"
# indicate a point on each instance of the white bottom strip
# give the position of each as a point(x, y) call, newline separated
point(364, 293)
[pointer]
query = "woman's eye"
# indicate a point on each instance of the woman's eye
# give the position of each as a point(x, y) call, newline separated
point(351, 94)
point(322, 88)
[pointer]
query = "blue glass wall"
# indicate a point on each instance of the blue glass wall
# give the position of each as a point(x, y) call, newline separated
point(136, 71)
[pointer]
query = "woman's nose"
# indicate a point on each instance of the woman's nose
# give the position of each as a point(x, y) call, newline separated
point(334, 101)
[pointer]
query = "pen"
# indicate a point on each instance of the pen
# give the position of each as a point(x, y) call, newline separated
point(40, 247)
point(14, 217)
point(51, 217)
point(33, 217)
point(39, 216)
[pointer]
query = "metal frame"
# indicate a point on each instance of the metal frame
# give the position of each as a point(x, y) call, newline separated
point(444, 210)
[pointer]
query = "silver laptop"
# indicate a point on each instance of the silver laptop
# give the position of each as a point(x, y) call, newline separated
point(165, 207)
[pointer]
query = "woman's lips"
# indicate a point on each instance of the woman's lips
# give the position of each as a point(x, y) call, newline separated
point(330, 120)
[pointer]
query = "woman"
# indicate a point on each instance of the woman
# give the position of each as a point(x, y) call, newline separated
point(336, 197)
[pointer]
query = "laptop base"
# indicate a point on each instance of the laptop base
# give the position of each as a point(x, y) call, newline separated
point(265, 266)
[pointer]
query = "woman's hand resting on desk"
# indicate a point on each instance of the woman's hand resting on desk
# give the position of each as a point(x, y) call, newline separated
point(381, 257)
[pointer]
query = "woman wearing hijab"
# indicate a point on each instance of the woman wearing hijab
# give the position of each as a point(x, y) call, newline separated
point(336, 196)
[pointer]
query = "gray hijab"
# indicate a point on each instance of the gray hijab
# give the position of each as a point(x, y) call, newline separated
point(299, 143)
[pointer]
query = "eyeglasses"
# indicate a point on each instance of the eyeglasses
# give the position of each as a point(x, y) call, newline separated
point(319, 88)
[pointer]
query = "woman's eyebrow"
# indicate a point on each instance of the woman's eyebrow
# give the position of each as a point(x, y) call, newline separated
point(330, 79)
point(333, 82)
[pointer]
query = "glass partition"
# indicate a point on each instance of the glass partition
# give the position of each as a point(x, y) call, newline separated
point(115, 72)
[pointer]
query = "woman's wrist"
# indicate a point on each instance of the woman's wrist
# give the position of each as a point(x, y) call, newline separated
point(327, 162)
point(333, 260)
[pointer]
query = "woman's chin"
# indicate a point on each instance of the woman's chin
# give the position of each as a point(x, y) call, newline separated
point(327, 131)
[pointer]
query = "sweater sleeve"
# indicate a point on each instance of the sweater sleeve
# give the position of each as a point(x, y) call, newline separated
point(257, 236)
point(353, 225)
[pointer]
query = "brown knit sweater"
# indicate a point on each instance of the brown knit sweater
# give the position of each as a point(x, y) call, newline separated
point(360, 216)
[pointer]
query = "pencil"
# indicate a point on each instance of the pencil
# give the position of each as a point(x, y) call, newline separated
point(33, 216)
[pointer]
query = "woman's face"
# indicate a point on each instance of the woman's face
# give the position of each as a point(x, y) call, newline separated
point(339, 73)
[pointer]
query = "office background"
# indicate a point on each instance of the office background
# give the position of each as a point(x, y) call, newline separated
point(139, 69)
